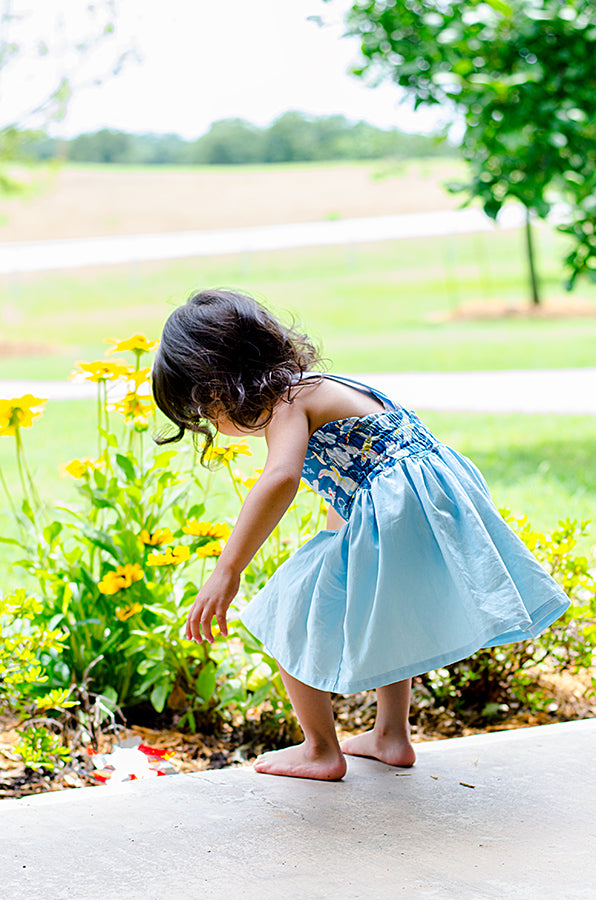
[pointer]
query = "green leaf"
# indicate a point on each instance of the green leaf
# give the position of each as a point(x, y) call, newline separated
point(52, 531)
point(127, 466)
point(162, 459)
point(500, 6)
point(129, 541)
point(103, 540)
point(196, 511)
point(100, 479)
point(110, 439)
point(261, 694)
point(28, 511)
point(159, 695)
point(206, 682)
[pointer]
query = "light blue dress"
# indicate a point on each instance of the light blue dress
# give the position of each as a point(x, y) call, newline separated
point(424, 572)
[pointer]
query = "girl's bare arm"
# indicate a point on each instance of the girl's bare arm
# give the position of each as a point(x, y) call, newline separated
point(287, 438)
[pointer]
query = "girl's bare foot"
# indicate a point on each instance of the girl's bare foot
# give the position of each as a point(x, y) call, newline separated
point(302, 761)
point(395, 750)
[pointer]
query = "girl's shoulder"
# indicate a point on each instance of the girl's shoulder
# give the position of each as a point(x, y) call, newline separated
point(326, 399)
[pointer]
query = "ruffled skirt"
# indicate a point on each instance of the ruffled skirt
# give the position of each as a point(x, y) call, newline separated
point(423, 574)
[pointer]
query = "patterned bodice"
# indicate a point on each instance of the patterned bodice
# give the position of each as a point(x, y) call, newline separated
point(343, 456)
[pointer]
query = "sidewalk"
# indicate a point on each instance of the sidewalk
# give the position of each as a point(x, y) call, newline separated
point(508, 814)
point(37, 256)
point(557, 391)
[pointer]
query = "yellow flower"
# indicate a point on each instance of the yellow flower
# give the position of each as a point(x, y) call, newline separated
point(126, 612)
point(19, 412)
point(138, 376)
point(134, 407)
point(138, 343)
point(215, 530)
point(100, 370)
point(251, 481)
point(171, 557)
point(120, 578)
point(228, 453)
point(110, 583)
point(78, 468)
point(214, 548)
point(156, 538)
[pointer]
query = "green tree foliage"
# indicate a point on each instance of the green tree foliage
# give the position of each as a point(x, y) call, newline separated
point(228, 142)
point(520, 75)
point(111, 146)
point(297, 137)
point(293, 137)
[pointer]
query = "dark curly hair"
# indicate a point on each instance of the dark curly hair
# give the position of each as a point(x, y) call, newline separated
point(224, 353)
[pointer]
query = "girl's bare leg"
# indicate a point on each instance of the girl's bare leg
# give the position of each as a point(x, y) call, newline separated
point(389, 739)
point(319, 756)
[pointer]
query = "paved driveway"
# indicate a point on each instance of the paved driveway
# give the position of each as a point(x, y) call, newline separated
point(558, 391)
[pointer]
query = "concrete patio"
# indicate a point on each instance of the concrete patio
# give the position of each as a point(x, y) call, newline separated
point(507, 814)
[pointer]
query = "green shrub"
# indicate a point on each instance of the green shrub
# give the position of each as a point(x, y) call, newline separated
point(490, 681)
point(118, 572)
point(23, 682)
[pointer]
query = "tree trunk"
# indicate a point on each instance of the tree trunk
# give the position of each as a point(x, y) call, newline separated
point(531, 262)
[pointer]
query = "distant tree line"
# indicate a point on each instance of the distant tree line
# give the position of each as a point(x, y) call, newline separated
point(293, 137)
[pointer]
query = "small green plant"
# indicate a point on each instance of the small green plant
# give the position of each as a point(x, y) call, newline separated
point(487, 683)
point(23, 682)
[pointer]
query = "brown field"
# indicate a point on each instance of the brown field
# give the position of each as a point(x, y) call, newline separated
point(85, 202)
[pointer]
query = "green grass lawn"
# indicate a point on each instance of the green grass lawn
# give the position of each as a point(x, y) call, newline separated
point(380, 307)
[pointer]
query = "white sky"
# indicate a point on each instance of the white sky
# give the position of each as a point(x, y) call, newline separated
point(204, 60)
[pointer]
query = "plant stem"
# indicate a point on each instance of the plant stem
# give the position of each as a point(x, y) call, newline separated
point(28, 485)
point(19, 447)
point(531, 261)
point(105, 406)
point(98, 419)
point(234, 482)
point(8, 495)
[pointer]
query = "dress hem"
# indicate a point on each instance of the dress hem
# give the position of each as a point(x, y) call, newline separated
point(544, 616)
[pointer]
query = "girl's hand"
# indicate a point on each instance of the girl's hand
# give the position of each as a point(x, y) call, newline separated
point(212, 600)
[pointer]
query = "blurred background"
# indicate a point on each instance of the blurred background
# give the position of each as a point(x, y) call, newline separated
point(217, 129)
point(415, 182)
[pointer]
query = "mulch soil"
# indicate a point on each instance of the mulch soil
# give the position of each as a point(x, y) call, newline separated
point(567, 697)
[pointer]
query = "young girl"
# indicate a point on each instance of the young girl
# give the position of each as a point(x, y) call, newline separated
point(416, 569)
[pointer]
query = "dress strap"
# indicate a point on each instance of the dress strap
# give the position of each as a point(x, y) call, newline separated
point(359, 386)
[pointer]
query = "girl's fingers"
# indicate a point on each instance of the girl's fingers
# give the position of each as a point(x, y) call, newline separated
point(222, 623)
point(192, 630)
point(206, 623)
point(195, 623)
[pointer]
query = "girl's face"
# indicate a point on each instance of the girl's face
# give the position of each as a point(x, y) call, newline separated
point(224, 426)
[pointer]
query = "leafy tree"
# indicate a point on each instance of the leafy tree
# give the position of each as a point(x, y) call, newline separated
point(520, 75)
point(47, 53)
point(105, 146)
point(160, 149)
point(291, 137)
point(228, 142)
